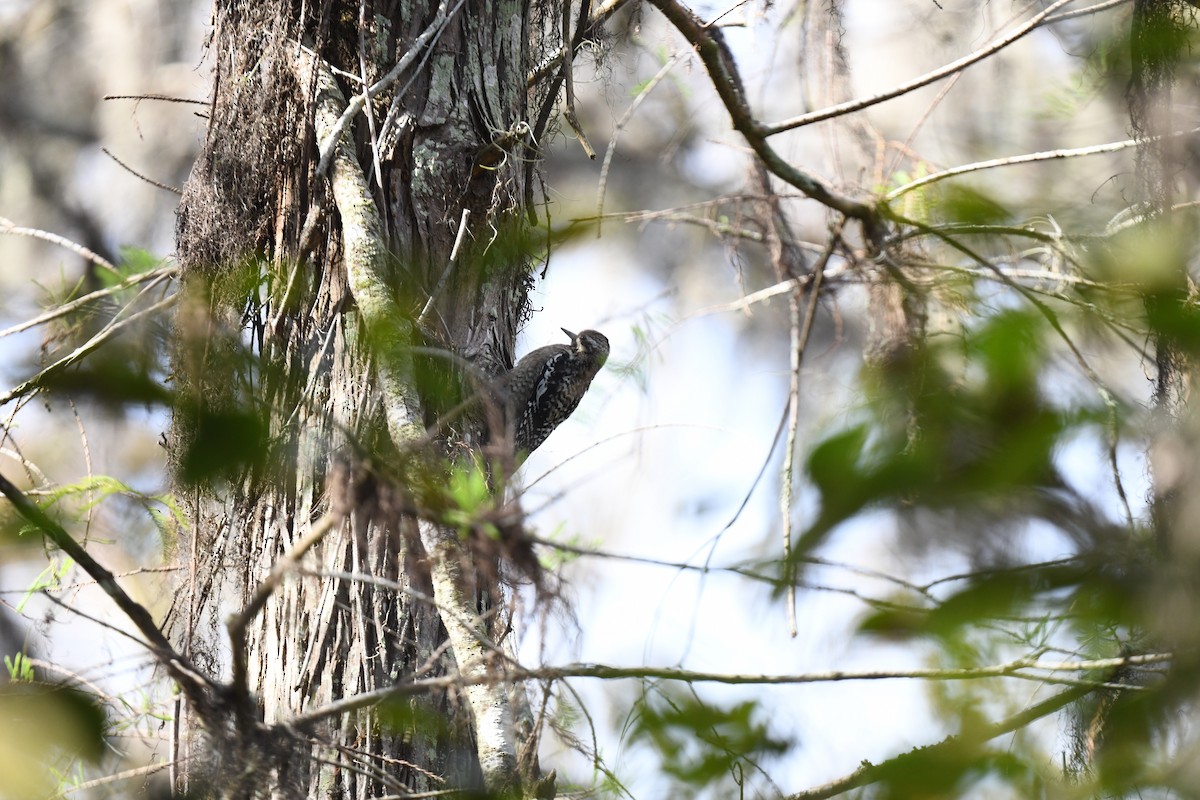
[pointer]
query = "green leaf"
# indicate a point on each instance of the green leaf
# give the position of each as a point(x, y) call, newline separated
point(972, 207)
point(19, 667)
point(836, 458)
point(469, 502)
point(950, 770)
point(700, 743)
point(894, 623)
point(44, 724)
point(223, 442)
point(50, 577)
point(133, 261)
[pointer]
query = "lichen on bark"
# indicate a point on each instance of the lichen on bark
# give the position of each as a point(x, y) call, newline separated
point(324, 332)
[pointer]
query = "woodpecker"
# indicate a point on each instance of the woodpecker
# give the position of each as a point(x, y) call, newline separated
point(546, 385)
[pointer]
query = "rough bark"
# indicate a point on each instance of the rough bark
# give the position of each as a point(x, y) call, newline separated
point(329, 273)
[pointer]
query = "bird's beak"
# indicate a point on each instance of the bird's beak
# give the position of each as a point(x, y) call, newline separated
point(568, 333)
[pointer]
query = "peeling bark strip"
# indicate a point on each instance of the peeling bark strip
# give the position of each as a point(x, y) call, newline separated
point(364, 248)
point(474, 652)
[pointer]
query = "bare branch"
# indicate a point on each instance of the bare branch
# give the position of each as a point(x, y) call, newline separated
point(136, 772)
point(61, 310)
point(1019, 669)
point(8, 226)
point(162, 97)
point(568, 76)
point(800, 332)
point(870, 773)
point(441, 284)
point(136, 174)
point(176, 665)
point(1086, 11)
point(1047, 155)
point(917, 83)
point(619, 127)
point(722, 71)
point(108, 332)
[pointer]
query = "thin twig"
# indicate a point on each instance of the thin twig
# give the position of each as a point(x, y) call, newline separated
point(906, 148)
point(619, 127)
point(1047, 155)
point(164, 98)
point(90, 504)
point(924, 80)
point(8, 226)
point(786, 471)
point(136, 174)
point(568, 65)
point(136, 772)
point(800, 333)
point(1086, 11)
point(285, 300)
point(746, 301)
point(370, 109)
point(77, 585)
point(87, 347)
point(61, 310)
point(1039, 275)
point(1114, 430)
point(1018, 669)
point(751, 574)
point(441, 284)
point(74, 678)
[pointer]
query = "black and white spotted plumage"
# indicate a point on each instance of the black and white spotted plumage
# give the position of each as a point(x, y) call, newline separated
point(547, 384)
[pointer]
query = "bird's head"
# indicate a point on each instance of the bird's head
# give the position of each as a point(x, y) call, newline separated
point(591, 344)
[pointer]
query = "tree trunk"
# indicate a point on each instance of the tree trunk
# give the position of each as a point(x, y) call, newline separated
point(309, 356)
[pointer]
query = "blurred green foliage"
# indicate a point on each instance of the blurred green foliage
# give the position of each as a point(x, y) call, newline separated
point(44, 730)
point(702, 744)
point(957, 425)
point(470, 500)
point(959, 438)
